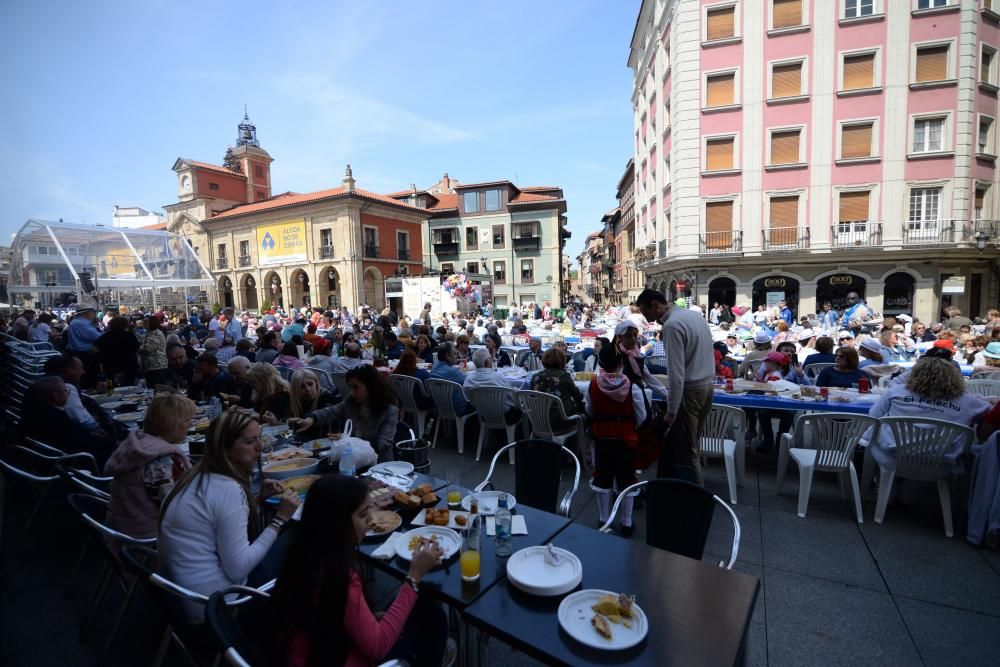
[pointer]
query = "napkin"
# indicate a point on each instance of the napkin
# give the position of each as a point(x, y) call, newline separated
point(517, 525)
point(388, 549)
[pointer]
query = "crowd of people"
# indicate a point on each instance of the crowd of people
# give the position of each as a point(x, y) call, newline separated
point(654, 364)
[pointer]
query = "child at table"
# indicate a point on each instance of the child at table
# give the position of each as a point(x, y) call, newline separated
point(617, 408)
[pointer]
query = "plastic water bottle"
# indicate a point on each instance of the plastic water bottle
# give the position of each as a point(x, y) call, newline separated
point(503, 547)
point(347, 462)
point(216, 407)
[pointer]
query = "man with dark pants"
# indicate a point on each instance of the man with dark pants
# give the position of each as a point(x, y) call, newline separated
point(688, 344)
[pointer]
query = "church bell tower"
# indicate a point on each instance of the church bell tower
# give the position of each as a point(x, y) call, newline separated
point(248, 158)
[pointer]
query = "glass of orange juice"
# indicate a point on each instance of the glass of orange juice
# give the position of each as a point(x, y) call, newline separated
point(470, 558)
point(454, 490)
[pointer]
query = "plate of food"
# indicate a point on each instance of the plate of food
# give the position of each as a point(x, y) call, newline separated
point(129, 417)
point(401, 468)
point(584, 376)
point(441, 517)
point(489, 501)
point(290, 468)
point(420, 496)
point(299, 485)
point(382, 522)
point(546, 570)
point(446, 538)
point(290, 453)
point(603, 619)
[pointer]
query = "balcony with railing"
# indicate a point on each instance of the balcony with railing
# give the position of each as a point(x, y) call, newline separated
point(326, 252)
point(929, 232)
point(222, 263)
point(856, 234)
point(244, 261)
point(371, 251)
point(527, 236)
point(990, 229)
point(403, 254)
point(779, 239)
point(721, 243)
point(445, 242)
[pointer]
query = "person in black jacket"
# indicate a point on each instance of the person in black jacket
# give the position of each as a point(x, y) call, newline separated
point(118, 350)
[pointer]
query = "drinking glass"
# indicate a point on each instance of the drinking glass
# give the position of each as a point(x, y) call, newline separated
point(470, 559)
point(454, 489)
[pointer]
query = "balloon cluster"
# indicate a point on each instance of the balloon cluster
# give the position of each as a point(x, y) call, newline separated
point(460, 287)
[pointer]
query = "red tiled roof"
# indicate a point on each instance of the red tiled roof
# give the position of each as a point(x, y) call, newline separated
point(532, 188)
point(445, 202)
point(159, 225)
point(290, 199)
point(406, 193)
point(528, 198)
point(214, 167)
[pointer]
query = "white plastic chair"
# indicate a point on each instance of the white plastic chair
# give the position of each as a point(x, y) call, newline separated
point(340, 382)
point(921, 446)
point(825, 442)
point(404, 387)
point(441, 392)
point(491, 406)
point(538, 407)
point(533, 495)
point(983, 387)
point(812, 371)
point(721, 437)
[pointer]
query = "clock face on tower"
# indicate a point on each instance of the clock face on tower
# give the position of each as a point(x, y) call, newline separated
point(186, 184)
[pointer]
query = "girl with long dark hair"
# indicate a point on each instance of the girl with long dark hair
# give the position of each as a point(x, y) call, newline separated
point(319, 601)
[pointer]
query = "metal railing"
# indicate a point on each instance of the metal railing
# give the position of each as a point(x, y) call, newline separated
point(721, 243)
point(527, 242)
point(446, 248)
point(371, 250)
point(244, 260)
point(929, 231)
point(326, 252)
point(403, 254)
point(777, 239)
point(222, 263)
point(974, 227)
point(856, 233)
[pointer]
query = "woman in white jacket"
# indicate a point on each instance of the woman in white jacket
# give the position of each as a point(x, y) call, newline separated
point(211, 535)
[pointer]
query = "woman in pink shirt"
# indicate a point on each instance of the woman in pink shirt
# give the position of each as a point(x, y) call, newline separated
point(319, 597)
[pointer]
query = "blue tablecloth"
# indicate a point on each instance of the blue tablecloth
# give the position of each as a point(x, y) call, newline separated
point(776, 403)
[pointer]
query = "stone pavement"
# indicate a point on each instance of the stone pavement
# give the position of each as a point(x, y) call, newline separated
point(833, 591)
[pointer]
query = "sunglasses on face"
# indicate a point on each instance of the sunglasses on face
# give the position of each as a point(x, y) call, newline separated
point(843, 339)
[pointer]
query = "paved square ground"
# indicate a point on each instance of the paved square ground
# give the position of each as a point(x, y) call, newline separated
point(833, 591)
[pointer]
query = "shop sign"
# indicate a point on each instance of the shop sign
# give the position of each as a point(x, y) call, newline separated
point(774, 282)
point(282, 243)
point(953, 285)
point(841, 280)
point(772, 299)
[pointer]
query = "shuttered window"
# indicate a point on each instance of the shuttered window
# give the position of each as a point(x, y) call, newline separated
point(784, 220)
point(977, 209)
point(854, 206)
point(932, 63)
point(721, 90)
point(786, 80)
point(721, 23)
point(719, 154)
point(785, 147)
point(719, 224)
point(986, 60)
point(859, 72)
point(856, 141)
point(786, 13)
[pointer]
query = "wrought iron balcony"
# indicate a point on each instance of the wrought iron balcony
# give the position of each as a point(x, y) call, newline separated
point(222, 263)
point(779, 239)
point(929, 232)
point(991, 228)
point(856, 233)
point(326, 252)
point(445, 247)
point(403, 254)
point(721, 243)
point(527, 242)
point(371, 251)
point(244, 260)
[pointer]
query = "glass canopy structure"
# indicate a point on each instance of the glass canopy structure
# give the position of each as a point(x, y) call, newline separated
point(58, 264)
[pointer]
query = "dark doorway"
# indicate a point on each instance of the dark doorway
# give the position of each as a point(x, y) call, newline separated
point(835, 289)
point(769, 290)
point(722, 290)
point(898, 294)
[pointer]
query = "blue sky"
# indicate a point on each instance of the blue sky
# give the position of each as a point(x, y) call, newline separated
point(100, 98)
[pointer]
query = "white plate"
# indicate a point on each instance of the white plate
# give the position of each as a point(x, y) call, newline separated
point(448, 539)
point(114, 405)
point(419, 519)
point(129, 417)
point(528, 570)
point(575, 613)
point(489, 501)
point(393, 468)
point(131, 389)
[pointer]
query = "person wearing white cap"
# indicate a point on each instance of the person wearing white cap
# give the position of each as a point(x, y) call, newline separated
point(807, 343)
point(845, 339)
point(761, 346)
point(870, 351)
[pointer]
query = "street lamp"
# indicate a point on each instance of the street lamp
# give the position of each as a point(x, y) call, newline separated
point(982, 238)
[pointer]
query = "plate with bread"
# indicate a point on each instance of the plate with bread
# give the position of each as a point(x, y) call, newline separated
point(442, 517)
point(419, 496)
point(603, 619)
point(382, 522)
point(446, 538)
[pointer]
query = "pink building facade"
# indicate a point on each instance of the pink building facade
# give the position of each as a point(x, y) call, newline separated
point(803, 149)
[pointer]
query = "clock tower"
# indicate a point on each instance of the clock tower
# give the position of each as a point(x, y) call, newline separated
point(249, 159)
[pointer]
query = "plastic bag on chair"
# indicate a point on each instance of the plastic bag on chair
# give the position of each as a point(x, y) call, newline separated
point(362, 451)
